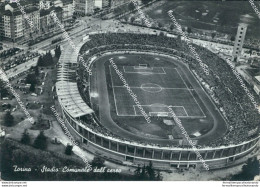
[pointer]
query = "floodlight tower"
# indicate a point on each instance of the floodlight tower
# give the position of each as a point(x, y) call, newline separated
point(240, 38)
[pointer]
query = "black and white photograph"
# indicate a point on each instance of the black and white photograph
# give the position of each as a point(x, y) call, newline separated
point(131, 92)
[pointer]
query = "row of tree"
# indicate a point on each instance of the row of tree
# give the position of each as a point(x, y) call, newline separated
point(249, 170)
point(40, 141)
point(14, 153)
point(3, 89)
point(45, 60)
point(145, 173)
point(8, 119)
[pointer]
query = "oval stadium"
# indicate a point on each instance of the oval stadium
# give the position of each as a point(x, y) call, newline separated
point(162, 74)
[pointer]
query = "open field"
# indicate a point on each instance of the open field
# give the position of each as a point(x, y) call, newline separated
point(210, 15)
point(156, 89)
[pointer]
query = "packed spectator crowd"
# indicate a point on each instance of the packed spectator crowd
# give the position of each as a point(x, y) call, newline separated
point(234, 103)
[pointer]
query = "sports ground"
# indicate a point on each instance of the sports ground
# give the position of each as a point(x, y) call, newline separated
point(158, 82)
point(157, 88)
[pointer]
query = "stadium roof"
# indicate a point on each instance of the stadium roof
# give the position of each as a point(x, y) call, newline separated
point(258, 78)
point(71, 100)
point(67, 88)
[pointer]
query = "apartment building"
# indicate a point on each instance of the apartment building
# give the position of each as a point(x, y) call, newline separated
point(16, 24)
point(112, 3)
point(67, 8)
point(1, 26)
point(84, 7)
point(47, 24)
point(35, 21)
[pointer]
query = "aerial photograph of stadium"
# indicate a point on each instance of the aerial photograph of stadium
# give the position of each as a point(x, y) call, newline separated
point(129, 90)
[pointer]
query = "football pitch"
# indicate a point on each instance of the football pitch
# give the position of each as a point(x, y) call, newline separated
point(156, 88)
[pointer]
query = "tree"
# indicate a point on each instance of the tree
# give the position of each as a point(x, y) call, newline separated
point(41, 141)
point(57, 52)
point(3, 90)
point(150, 171)
point(47, 59)
point(98, 162)
point(36, 70)
point(132, 19)
point(68, 150)
point(249, 170)
point(143, 175)
point(161, 34)
point(8, 119)
point(31, 79)
point(189, 30)
point(171, 26)
point(131, 6)
point(40, 61)
point(213, 35)
point(32, 87)
point(250, 52)
point(125, 18)
point(118, 11)
point(138, 173)
point(158, 176)
point(147, 173)
point(8, 106)
point(160, 25)
point(232, 38)
point(25, 138)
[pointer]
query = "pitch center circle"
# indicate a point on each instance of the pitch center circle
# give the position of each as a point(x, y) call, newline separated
point(151, 87)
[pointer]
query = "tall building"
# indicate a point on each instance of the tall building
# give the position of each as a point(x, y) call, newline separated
point(47, 24)
point(112, 3)
point(44, 4)
point(16, 25)
point(1, 25)
point(84, 7)
point(67, 7)
point(68, 10)
point(240, 37)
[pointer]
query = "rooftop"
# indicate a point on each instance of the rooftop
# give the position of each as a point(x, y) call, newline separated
point(67, 88)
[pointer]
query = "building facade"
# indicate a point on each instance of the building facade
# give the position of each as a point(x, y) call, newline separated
point(47, 24)
point(84, 7)
point(240, 38)
point(35, 23)
point(68, 10)
point(106, 3)
point(113, 3)
point(15, 25)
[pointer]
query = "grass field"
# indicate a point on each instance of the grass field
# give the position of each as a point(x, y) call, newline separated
point(156, 88)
